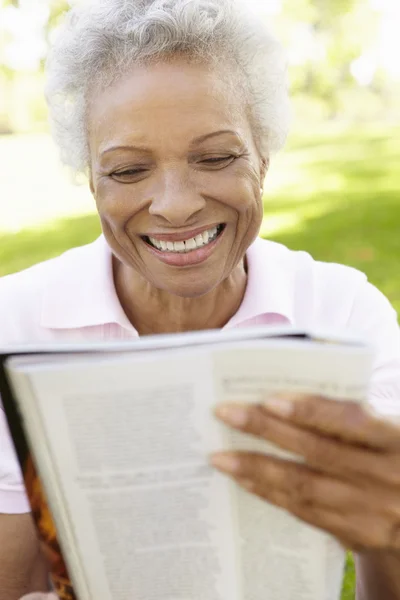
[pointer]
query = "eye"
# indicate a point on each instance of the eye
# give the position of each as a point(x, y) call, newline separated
point(218, 161)
point(128, 175)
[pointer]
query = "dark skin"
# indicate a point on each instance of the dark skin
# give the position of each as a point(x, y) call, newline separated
point(23, 567)
point(172, 149)
point(348, 486)
point(189, 160)
point(169, 159)
point(177, 188)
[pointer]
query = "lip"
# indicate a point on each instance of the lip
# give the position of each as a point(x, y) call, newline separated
point(180, 236)
point(188, 259)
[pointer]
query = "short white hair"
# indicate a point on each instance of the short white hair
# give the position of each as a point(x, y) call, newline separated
point(102, 39)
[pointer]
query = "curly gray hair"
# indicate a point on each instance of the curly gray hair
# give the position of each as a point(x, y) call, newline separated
point(102, 39)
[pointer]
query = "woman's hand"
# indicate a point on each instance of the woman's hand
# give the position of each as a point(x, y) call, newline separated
point(349, 484)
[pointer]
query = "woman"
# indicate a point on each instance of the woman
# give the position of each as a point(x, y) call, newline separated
point(173, 109)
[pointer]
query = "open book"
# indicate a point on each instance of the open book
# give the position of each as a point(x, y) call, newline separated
point(113, 441)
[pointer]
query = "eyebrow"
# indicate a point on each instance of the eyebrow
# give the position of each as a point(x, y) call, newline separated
point(198, 140)
point(202, 138)
point(125, 147)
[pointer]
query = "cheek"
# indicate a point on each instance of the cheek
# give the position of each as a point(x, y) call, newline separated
point(116, 203)
point(245, 187)
point(115, 211)
point(246, 200)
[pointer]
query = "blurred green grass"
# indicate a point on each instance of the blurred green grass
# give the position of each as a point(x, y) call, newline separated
point(348, 589)
point(333, 193)
point(338, 197)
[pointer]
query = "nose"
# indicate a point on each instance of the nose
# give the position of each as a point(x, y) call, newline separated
point(176, 199)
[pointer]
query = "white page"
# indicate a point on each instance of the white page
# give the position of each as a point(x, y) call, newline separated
point(194, 538)
point(152, 521)
point(297, 560)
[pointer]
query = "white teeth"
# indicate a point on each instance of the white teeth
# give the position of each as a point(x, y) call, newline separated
point(191, 244)
point(188, 245)
point(179, 246)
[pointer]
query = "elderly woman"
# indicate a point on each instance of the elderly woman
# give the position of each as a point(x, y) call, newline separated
point(173, 109)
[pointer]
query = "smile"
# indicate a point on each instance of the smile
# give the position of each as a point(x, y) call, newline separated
point(188, 245)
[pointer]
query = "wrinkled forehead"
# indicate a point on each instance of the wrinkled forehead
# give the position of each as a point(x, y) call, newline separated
point(185, 100)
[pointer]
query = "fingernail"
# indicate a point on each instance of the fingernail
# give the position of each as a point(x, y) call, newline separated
point(279, 406)
point(233, 414)
point(223, 462)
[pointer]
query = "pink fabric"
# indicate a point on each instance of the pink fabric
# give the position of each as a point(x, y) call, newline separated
point(73, 298)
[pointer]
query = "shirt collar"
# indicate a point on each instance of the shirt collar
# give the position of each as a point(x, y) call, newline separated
point(79, 290)
point(270, 284)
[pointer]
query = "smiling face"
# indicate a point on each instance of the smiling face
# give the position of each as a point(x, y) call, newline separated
point(176, 176)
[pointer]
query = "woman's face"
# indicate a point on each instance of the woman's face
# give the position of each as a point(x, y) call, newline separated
point(176, 175)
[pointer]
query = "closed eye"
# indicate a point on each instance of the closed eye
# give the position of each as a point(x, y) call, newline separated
point(217, 162)
point(128, 175)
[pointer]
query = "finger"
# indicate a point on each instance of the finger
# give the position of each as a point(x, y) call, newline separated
point(304, 486)
point(317, 501)
point(322, 453)
point(361, 532)
point(350, 421)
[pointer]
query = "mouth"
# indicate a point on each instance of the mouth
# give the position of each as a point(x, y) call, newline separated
point(186, 246)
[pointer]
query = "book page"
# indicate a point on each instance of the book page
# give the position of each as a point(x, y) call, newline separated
point(130, 439)
point(295, 559)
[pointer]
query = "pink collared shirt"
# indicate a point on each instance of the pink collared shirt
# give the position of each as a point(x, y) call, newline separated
point(73, 298)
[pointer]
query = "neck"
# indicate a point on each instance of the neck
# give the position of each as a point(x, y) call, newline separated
point(153, 311)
